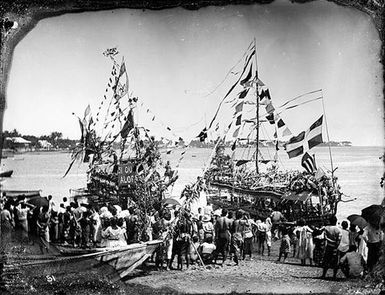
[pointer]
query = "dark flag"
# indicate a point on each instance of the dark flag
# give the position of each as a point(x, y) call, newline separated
point(243, 93)
point(234, 145)
point(308, 162)
point(241, 162)
point(239, 120)
point(203, 135)
point(270, 118)
point(264, 97)
point(280, 123)
point(128, 125)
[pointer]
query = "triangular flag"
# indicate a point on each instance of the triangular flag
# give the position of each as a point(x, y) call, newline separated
point(87, 111)
point(286, 132)
point(280, 123)
point(239, 107)
point(235, 134)
point(243, 93)
point(122, 69)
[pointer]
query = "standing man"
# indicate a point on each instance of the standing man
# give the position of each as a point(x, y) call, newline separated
point(333, 237)
point(373, 236)
point(222, 233)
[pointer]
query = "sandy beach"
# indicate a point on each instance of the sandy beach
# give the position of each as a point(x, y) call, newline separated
point(262, 275)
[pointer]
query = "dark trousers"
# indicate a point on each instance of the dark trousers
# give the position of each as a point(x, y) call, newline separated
point(222, 246)
point(373, 254)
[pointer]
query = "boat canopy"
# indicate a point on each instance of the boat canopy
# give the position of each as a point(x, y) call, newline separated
point(21, 193)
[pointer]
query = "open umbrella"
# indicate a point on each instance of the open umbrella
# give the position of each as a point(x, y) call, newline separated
point(358, 220)
point(373, 214)
point(171, 201)
point(38, 201)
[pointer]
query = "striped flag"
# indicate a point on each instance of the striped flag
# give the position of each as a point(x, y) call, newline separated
point(308, 162)
point(294, 147)
point(305, 140)
point(314, 133)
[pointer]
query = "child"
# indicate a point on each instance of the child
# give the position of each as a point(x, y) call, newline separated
point(284, 249)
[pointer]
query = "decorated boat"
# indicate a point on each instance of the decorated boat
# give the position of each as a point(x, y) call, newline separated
point(252, 180)
point(125, 170)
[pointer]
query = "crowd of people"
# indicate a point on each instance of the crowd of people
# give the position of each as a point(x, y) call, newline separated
point(207, 237)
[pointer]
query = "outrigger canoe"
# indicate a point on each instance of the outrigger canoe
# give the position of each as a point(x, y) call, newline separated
point(122, 261)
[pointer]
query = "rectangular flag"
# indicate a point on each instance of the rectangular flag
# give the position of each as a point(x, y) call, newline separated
point(308, 162)
point(314, 133)
point(294, 147)
point(239, 120)
point(128, 125)
point(248, 77)
point(269, 108)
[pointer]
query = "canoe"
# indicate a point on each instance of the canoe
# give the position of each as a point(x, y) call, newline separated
point(121, 261)
point(6, 173)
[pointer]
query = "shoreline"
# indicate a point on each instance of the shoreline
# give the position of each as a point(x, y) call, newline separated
point(262, 275)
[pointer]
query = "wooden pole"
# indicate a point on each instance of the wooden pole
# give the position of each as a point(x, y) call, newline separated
point(257, 110)
point(327, 134)
point(196, 250)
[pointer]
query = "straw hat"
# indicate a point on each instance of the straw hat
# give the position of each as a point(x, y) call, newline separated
point(206, 218)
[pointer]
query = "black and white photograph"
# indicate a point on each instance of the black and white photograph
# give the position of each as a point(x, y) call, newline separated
point(210, 148)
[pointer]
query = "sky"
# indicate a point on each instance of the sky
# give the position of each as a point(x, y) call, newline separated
point(176, 57)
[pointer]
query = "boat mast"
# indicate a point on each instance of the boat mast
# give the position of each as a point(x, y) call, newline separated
point(330, 151)
point(257, 111)
point(327, 134)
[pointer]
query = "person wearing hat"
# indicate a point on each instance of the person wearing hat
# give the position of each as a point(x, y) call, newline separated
point(208, 227)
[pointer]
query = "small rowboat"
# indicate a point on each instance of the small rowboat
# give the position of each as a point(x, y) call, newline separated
point(121, 261)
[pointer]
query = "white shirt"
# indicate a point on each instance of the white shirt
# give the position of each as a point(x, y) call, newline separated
point(344, 244)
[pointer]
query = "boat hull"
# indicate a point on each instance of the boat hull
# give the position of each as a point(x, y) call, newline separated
point(261, 193)
point(121, 262)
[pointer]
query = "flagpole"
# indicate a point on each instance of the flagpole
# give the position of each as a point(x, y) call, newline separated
point(327, 134)
point(257, 111)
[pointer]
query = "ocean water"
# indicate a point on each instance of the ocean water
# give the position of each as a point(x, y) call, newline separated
point(359, 172)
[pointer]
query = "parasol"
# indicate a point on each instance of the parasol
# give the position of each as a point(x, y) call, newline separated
point(373, 214)
point(171, 201)
point(358, 220)
point(38, 201)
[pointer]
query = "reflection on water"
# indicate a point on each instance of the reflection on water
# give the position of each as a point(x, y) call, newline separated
point(359, 172)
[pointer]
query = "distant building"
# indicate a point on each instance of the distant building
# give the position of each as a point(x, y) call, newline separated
point(44, 144)
point(18, 143)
